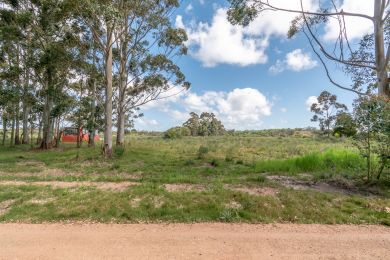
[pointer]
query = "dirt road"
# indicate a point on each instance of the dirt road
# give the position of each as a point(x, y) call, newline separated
point(193, 241)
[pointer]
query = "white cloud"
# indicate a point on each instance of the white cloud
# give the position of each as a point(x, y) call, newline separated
point(278, 23)
point(283, 110)
point(310, 101)
point(219, 42)
point(189, 8)
point(356, 27)
point(201, 2)
point(179, 22)
point(241, 108)
point(296, 60)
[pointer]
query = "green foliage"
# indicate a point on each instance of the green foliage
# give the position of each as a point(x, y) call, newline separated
point(345, 125)
point(119, 151)
point(372, 118)
point(202, 152)
point(241, 12)
point(204, 125)
point(333, 161)
point(326, 109)
point(177, 132)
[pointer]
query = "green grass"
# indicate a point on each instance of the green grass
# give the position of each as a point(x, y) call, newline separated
point(156, 204)
point(212, 162)
point(334, 161)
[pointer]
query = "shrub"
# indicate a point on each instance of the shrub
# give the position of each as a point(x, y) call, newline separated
point(119, 151)
point(372, 118)
point(214, 163)
point(177, 132)
point(189, 162)
point(202, 152)
point(241, 162)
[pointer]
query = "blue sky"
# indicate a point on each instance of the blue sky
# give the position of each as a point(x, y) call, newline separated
point(251, 78)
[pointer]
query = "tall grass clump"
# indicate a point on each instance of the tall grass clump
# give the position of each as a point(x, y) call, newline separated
point(335, 161)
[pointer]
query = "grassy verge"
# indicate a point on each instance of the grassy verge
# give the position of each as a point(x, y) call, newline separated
point(152, 203)
point(213, 163)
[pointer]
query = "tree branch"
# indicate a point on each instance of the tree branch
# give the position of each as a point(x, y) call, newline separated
point(327, 70)
point(274, 8)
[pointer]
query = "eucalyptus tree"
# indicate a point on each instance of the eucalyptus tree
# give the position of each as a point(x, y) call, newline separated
point(55, 46)
point(48, 45)
point(101, 17)
point(12, 22)
point(147, 44)
point(372, 57)
point(326, 110)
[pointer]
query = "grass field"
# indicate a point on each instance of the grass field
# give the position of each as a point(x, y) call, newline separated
point(231, 179)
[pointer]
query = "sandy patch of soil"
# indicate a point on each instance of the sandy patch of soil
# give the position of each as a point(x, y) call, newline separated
point(116, 186)
point(193, 241)
point(184, 187)
point(41, 201)
point(233, 205)
point(45, 172)
point(5, 206)
point(157, 201)
point(257, 191)
point(329, 186)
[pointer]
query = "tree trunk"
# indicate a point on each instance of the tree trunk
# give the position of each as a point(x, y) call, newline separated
point(5, 121)
point(380, 56)
point(107, 149)
point(91, 139)
point(17, 125)
point(58, 132)
point(120, 137)
point(12, 131)
point(46, 118)
point(39, 137)
point(26, 112)
point(92, 130)
point(26, 109)
point(31, 133)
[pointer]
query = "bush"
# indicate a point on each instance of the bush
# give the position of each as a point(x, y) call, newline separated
point(119, 151)
point(202, 152)
point(214, 163)
point(177, 132)
point(372, 118)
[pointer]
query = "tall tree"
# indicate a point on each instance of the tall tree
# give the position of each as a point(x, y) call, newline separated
point(326, 110)
point(147, 44)
point(101, 18)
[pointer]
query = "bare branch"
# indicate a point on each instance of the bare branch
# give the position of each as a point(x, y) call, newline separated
point(327, 70)
point(274, 8)
point(329, 56)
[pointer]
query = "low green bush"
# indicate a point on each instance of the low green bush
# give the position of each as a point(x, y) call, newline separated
point(177, 132)
point(202, 152)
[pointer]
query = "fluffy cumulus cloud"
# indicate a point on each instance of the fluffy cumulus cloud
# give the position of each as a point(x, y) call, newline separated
point(241, 108)
point(219, 42)
point(296, 60)
point(356, 26)
point(310, 101)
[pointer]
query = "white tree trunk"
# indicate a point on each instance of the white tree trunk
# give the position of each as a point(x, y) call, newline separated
point(107, 149)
